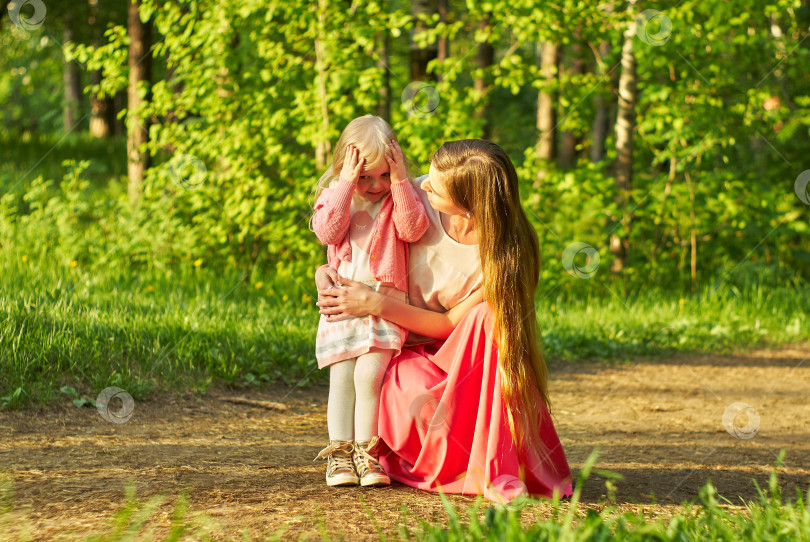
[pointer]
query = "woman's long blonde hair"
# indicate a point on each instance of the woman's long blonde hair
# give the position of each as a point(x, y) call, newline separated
point(371, 135)
point(481, 179)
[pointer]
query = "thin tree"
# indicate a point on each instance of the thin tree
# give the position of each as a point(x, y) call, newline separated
point(99, 125)
point(625, 125)
point(601, 119)
point(421, 56)
point(548, 57)
point(484, 60)
point(443, 50)
point(140, 75)
point(576, 67)
point(72, 83)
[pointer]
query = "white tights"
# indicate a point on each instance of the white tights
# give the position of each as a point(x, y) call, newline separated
point(354, 396)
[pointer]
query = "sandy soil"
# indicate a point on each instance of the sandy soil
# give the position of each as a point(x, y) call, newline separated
point(658, 423)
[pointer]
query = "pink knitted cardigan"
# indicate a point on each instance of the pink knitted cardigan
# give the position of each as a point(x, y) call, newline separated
point(401, 220)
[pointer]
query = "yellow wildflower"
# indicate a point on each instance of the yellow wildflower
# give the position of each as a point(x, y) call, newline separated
point(198, 263)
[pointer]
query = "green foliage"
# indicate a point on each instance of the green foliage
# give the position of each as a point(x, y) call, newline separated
point(237, 113)
point(30, 87)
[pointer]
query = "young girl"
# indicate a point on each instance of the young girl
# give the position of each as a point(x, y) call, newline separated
point(366, 215)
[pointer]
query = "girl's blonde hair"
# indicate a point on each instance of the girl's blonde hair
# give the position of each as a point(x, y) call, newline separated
point(372, 137)
point(481, 179)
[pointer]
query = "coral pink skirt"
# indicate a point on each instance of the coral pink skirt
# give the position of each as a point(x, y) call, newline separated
point(444, 425)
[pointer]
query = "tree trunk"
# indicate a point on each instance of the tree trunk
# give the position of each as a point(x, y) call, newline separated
point(601, 120)
point(115, 106)
point(693, 231)
point(140, 74)
point(546, 112)
point(673, 167)
point(485, 58)
point(73, 88)
point(625, 125)
point(99, 126)
point(576, 66)
point(443, 52)
point(599, 129)
point(322, 147)
point(421, 57)
point(384, 92)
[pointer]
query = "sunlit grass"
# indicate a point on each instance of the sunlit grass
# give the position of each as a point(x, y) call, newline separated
point(655, 323)
point(187, 328)
point(181, 330)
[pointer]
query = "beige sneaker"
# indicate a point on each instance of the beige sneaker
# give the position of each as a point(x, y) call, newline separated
point(339, 467)
point(366, 464)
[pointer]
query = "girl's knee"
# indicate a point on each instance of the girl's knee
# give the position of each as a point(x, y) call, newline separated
point(342, 371)
point(371, 367)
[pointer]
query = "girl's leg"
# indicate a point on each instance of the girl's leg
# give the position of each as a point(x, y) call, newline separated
point(368, 377)
point(340, 411)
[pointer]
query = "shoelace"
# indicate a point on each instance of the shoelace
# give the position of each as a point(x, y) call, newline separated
point(333, 447)
point(366, 461)
point(340, 462)
point(337, 461)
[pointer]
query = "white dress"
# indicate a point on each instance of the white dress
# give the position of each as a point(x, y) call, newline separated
point(352, 337)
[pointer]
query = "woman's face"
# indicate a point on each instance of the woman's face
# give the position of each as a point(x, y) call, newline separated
point(437, 194)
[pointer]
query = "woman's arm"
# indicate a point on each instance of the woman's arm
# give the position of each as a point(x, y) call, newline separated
point(356, 299)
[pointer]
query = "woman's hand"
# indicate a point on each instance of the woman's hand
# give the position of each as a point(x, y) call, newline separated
point(396, 163)
point(352, 165)
point(349, 298)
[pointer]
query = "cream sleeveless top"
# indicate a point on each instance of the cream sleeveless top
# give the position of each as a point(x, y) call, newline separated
point(441, 271)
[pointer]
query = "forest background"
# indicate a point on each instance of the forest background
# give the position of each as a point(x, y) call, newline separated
point(160, 156)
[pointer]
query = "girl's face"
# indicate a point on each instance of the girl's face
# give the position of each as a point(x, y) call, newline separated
point(374, 183)
point(437, 194)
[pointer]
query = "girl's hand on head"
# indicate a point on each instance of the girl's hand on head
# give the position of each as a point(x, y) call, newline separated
point(352, 165)
point(350, 299)
point(396, 163)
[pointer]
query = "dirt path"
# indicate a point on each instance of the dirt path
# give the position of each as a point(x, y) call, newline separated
point(659, 423)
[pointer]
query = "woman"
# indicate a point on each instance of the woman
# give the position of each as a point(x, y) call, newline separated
point(467, 413)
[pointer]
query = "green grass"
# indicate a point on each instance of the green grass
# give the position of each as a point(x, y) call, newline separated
point(767, 518)
point(187, 328)
point(656, 323)
point(180, 330)
point(709, 517)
